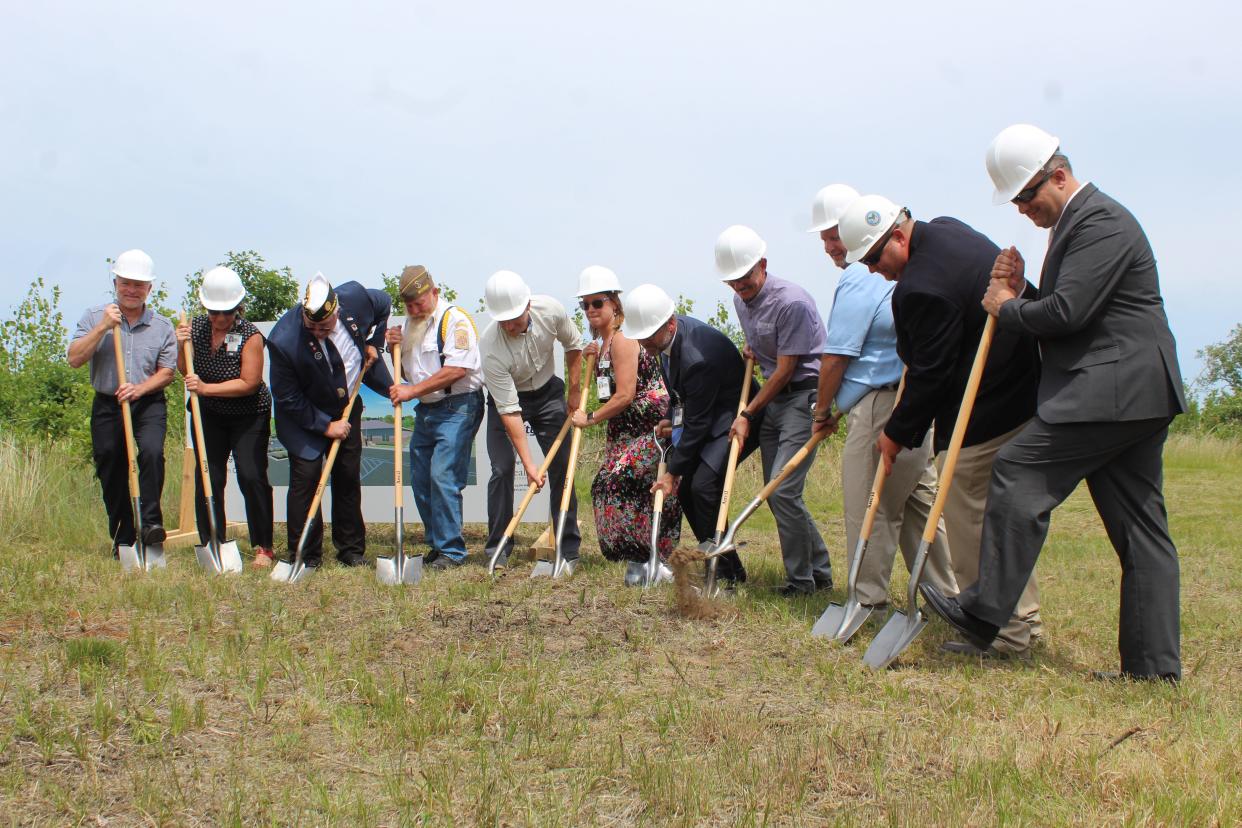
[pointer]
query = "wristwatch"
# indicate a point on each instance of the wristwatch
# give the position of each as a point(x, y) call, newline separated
point(590, 416)
point(750, 418)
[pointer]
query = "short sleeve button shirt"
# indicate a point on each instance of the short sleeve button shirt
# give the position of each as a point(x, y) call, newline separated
point(525, 362)
point(782, 320)
point(420, 358)
point(147, 346)
point(861, 326)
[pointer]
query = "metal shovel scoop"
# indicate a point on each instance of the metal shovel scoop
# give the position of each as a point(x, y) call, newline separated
point(839, 622)
point(398, 569)
point(903, 627)
point(293, 571)
point(507, 538)
point(217, 556)
point(560, 566)
point(140, 557)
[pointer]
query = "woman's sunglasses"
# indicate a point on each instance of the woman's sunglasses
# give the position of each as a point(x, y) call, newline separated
point(594, 304)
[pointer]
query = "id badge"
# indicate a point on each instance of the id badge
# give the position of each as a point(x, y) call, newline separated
point(603, 386)
point(232, 342)
point(676, 417)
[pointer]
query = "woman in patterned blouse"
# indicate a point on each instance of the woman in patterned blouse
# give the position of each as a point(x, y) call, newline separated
point(236, 405)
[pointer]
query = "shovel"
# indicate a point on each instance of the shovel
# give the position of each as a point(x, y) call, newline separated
point(839, 622)
point(140, 556)
point(293, 571)
point(902, 628)
point(507, 538)
point(560, 566)
point(217, 556)
point(722, 516)
point(727, 542)
point(398, 569)
point(652, 570)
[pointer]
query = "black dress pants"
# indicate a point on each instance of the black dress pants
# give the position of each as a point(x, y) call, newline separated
point(150, 417)
point(349, 533)
point(245, 438)
point(700, 492)
point(545, 410)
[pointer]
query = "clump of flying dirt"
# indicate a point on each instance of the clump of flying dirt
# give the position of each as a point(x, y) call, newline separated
point(690, 603)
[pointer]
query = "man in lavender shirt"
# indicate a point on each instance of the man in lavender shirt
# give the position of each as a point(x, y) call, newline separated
point(785, 335)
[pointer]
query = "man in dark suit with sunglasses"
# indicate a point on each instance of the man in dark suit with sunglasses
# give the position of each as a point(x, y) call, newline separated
point(1110, 387)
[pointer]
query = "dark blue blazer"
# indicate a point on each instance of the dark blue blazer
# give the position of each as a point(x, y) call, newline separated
point(704, 373)
point(306, 392)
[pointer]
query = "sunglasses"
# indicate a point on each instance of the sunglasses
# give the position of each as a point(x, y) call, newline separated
point(873, 255)
point(594, 304)
point(1029, 193)
point(222, 313)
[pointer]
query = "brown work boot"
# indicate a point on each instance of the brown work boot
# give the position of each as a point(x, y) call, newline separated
point(263, 558)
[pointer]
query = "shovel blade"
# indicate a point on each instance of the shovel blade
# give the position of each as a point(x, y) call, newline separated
point(285, 572)
point(230, 557)
point(566, 569)
point(543, 569)
point(132, 562)
point(386, 571)
point(898, 633)
point(840, 622)
point(412, 572)
point(206, 560)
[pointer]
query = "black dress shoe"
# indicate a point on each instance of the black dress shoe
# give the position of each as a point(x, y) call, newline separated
point(823, 584)
point(441, 563)
point(977, 631)
point(791, 590)
point(431, 556)
point(153, 534)
point(353, 560)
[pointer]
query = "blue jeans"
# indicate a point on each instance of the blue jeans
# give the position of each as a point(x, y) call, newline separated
point(439, 461)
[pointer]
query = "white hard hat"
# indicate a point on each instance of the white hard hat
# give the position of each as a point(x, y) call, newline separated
point(738, 249)
point(864, 223)
point(828, 206)
point(134, 264)
point(596, 279)
point(505, 295)
point(1015, 156)
point(647, 307)
point(221, 289)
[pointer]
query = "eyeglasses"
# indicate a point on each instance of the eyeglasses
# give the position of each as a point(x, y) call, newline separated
point(594, 304)
point(1029, 193)
point(229, 312)
point(873, 256)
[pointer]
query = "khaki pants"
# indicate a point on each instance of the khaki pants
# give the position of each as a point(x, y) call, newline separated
point(963, 519)
point(904, 504)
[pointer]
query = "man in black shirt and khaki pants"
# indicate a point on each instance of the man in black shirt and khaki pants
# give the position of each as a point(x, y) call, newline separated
point(942, 269)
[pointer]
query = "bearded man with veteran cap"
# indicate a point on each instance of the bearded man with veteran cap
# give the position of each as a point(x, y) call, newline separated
point(442, 368)
point(318, 351)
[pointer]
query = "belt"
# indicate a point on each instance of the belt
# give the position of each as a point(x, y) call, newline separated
point(808, 384)
point(447, 397)
point(892, 386)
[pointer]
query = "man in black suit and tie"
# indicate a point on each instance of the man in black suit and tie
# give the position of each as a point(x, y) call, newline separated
point(1109, 389)
point(318, 350)
point(703, 371)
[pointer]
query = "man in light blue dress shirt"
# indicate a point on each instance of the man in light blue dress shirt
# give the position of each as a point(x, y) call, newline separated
point(860, 371)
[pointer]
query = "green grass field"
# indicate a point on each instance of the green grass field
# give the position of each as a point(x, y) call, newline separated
point(183, 699)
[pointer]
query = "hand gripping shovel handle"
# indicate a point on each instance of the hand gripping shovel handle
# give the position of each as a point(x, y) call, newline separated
point(798, 458)
point(323, 477)
point(735, 449)
point(196, 414)
point(531, 491)
point(575, 444)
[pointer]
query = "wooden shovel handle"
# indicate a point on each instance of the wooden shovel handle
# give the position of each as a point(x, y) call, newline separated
point(196, 414)
point(397, 460)
point(531, 490)
point(575, 442)
point(959, 429)
point(877, 485)
point(332, 452)
point(792, 463)
point(131, 447)
point(735, 448)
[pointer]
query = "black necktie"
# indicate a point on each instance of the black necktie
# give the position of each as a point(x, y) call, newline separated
point(334, 359)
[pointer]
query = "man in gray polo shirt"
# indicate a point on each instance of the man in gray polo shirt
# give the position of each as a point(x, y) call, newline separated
point(150, 350)
point(785, 334)
point(518, 349)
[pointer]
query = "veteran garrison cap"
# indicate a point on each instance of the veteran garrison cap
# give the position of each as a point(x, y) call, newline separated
point(320, 299)
point(415, 281)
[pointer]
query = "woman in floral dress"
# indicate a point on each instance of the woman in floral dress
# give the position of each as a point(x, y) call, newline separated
point(633, 399)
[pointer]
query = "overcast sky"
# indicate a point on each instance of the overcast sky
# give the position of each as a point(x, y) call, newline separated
point(543, 137)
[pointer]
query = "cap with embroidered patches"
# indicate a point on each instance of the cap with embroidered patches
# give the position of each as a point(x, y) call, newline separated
point(415, 282)
point(320, 299)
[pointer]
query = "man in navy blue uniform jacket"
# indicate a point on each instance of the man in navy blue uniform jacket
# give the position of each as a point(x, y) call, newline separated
point(318, 351)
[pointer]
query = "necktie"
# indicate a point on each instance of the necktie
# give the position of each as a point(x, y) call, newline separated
point(334, 359)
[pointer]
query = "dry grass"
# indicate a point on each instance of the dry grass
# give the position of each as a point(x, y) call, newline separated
point(180, 699)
